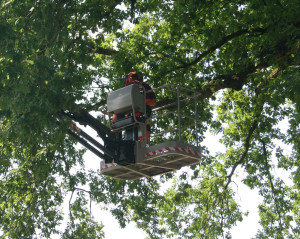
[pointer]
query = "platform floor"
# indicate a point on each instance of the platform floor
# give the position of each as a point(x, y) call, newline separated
point(159, 159)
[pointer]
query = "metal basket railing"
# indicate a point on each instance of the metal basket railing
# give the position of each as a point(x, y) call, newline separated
point(183, 97)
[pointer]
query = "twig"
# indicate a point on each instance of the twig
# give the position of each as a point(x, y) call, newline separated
point(70, 208)
point(271, 184)
point(89, 192)
point(253, 127)
point(246, 149)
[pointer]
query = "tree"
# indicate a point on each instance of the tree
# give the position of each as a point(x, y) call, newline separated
point(54, 56)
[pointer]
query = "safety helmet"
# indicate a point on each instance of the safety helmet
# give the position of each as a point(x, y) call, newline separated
point(133, 77)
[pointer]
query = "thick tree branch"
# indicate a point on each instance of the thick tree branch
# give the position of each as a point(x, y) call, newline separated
point(220, 43)
point(133, 2)
point(233, 81)
point(230, 37)
point(96, 106)
point(104, 51)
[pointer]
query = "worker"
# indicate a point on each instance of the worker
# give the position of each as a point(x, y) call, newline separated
point(134, 77)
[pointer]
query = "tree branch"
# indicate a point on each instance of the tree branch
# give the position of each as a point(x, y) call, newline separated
point(133, 2)
point(104, 51)
point(220, 43)
point(70, 207)
point(246, 149)
point(81, 189)
point(252, 128)
point(271, 185)
point(89, 192)
point(233, 81)
point(273, 74)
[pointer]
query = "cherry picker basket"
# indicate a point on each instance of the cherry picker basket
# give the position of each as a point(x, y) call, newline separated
point(152, 160)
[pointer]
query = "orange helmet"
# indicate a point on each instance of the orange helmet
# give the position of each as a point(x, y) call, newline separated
point(133, 77)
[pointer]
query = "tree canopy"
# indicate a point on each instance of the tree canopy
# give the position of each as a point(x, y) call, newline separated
point(241, 56)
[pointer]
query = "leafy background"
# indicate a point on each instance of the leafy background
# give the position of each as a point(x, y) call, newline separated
point(241, 56)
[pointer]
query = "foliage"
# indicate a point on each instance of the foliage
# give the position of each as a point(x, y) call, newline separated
point(241, 56)
point(82, 224)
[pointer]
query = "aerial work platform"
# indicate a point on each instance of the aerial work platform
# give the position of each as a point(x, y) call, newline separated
point(158, 159)
point(161, 158)
point(125, 151)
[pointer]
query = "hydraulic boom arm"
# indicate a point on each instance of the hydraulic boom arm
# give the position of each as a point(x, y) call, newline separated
point(127, 103)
